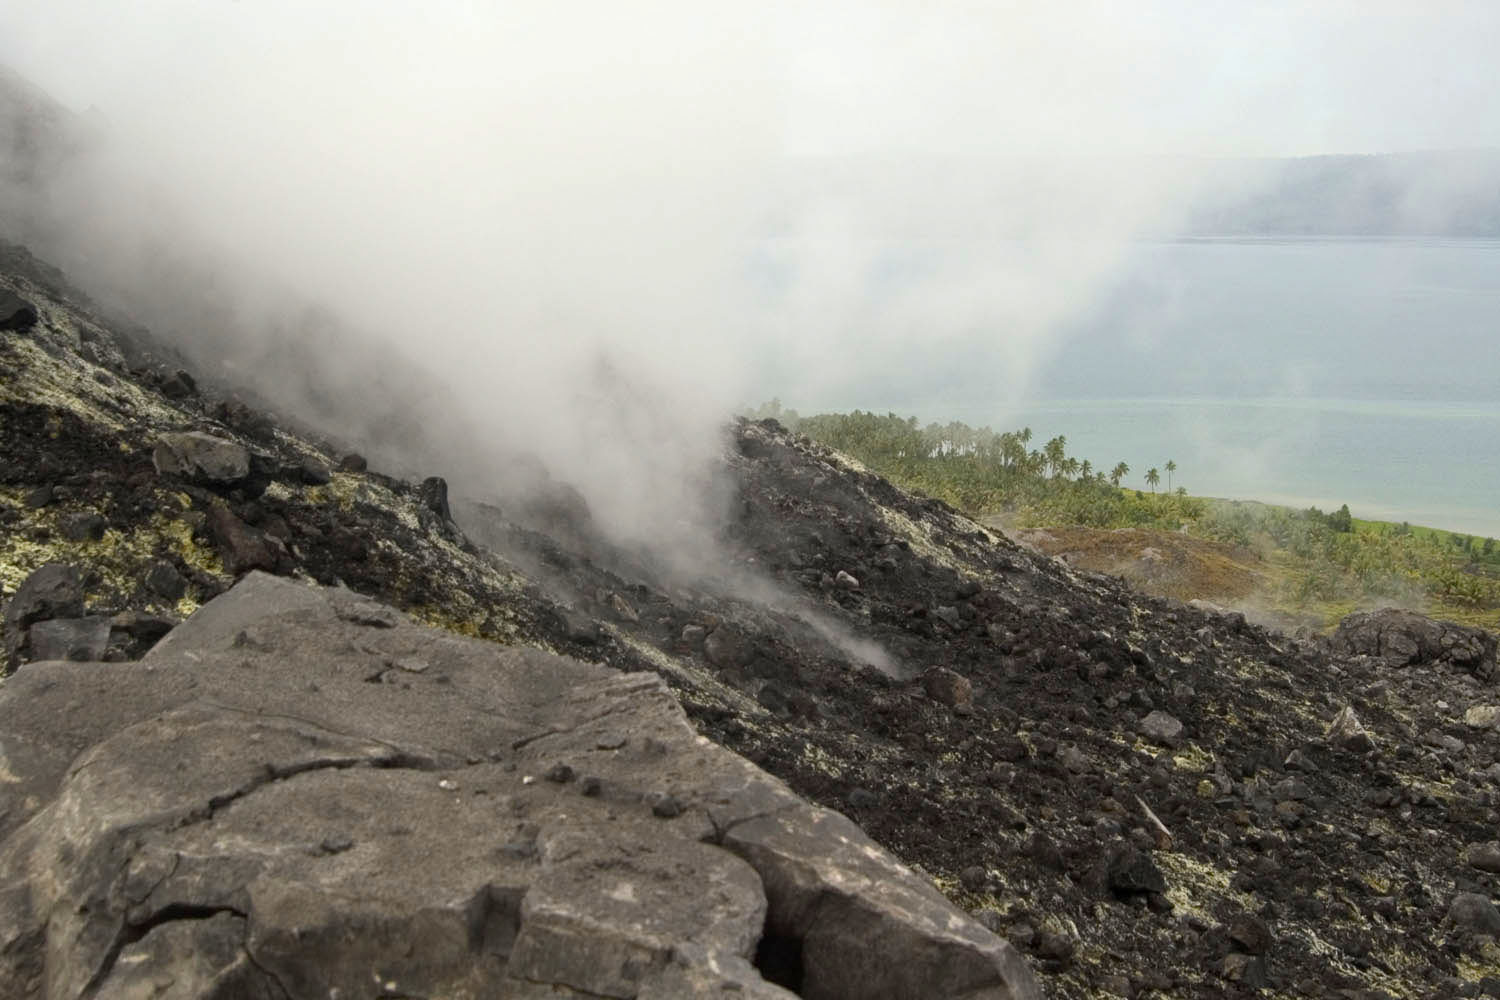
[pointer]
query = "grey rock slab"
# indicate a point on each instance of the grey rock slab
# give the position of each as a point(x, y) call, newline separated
point(1160, 727)
point(197, 956)
point(1474, 912)
point(1484, 856)
point(243, 813)
point(51, 591)
point(201, 457)
point(69, 639)
point(869, 926)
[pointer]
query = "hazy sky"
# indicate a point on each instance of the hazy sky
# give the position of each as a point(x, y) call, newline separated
point(1170, 76)
point(1189, 76)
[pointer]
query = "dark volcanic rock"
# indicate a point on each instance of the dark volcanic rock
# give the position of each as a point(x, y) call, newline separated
point(69, 639)
point(1403, 638)
point(242, 547)
point(52, 591)
point(201, 458)
point(434, 496)
point(164, 581)
point(1130, 870)
point(16, 314)
point(241, 814)
point(1474, 912)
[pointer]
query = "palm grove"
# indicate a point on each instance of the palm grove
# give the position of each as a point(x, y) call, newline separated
point(981, 469)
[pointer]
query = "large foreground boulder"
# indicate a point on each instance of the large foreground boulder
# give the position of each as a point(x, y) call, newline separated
point(298, 793)
point(1404, 638)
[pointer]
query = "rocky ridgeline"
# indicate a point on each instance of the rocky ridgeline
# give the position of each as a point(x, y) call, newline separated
point(1145, 798)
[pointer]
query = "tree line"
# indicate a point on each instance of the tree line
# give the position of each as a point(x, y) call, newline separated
point(981, 469)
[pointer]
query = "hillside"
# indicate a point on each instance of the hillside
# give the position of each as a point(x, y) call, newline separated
point(1144, 797)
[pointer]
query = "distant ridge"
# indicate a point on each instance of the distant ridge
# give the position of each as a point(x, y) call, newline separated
point(1436, 194)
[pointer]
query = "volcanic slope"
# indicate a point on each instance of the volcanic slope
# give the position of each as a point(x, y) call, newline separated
point(1138, 793)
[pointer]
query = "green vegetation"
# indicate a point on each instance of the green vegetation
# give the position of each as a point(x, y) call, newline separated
point(984, 471)
point(1308, 565)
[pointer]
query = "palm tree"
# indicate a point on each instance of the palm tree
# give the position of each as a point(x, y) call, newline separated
point(1152, 478)
point(1086, 470)
point(1056, 452)
point(1171, 468)
point(1119, 472)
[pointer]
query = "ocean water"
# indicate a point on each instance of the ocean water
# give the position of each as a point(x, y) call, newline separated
point(1427, 462)
point(1304, 371)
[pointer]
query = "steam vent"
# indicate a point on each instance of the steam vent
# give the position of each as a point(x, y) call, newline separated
point(281, 723)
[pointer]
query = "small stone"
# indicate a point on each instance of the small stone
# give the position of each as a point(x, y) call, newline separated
point(948, 615)
point(1346, 732)
point(1074, 759)
point(338, 843)
point(179, 385)
point(53, 590)
point(948, 688)
point(448, 785)
point(1485, 856)
point(1483, 717)
point(622, 609)
point(582, 629)
point(314, 472)
point(591, 786)
point(846, 580)
point(1473, 912)
point(202, 458)
point(694, 635)
point(723, 648)
point(1057, 947)
point(560, 774)
point(1251, 933)
point(16, 314)
point(164, 581)
point(667, 807)
point(353, 462)
point(79, 639)
point(1130, 870)
point(1159, 727)
point(1118, 986)
point(863, 798)
point(39, 497)
point(1247, 970)
point(410, 664)
point(82, 527)
point(242, 547)
point(1044, 851)
point(974, 878)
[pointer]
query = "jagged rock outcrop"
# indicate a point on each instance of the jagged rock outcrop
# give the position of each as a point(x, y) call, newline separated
point(1404, 638)
point(298, 793)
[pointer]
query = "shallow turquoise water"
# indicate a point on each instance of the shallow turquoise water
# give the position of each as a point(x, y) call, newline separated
point(1426, 462)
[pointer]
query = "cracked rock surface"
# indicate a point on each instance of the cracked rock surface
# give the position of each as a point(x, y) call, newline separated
point(274, 803)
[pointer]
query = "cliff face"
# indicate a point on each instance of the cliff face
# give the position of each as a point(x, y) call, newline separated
point(1141, 795)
